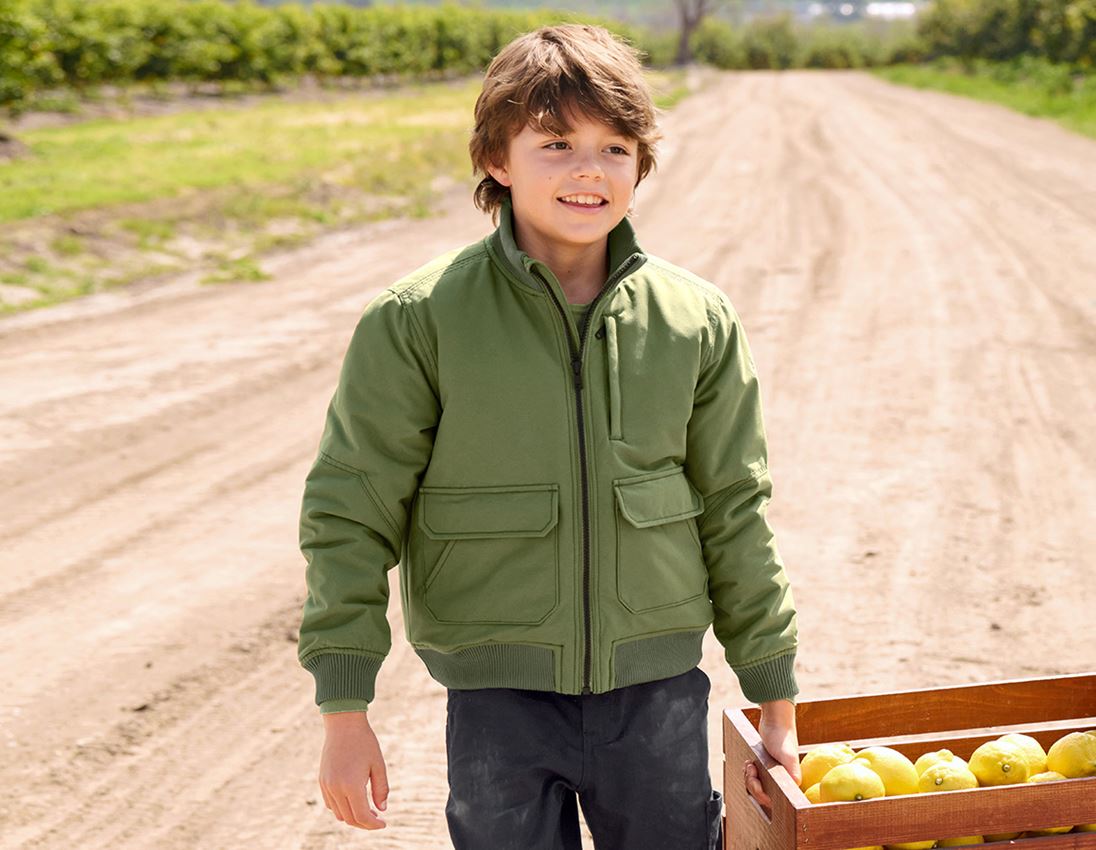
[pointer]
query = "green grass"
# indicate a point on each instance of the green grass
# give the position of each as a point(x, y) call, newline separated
point(112, 201)
point(103, 162)
point(1029, 85)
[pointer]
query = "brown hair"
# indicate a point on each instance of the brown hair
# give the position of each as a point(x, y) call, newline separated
point(539, 76)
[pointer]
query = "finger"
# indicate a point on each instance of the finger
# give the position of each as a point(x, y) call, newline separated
point(333, 804)
point(364, 815)
point(378, 782)
point(758, 793)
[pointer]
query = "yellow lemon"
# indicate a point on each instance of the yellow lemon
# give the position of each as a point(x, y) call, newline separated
point(959, 842)
point(1036, 755)
point(1073, 755)
point(912, 845)
point(854, 780)
point(999, 763)
point(1048, 776)
point(924, 762)
point(1002, 836)
point(897, 772)
point(1086, 827)
point(814, 793)
point(819, 761)
point(946, 776)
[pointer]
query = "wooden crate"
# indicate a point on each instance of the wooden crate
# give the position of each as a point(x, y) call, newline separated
point(914, 722)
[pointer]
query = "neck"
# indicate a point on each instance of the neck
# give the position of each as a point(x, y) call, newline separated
point(580, 269)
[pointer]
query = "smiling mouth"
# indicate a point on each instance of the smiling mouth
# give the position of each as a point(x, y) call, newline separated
point(583, 206)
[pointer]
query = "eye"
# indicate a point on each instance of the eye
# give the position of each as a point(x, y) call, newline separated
point(621, 149)
point(549, 145)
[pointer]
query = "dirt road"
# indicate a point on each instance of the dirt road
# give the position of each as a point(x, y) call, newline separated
point(917, 276)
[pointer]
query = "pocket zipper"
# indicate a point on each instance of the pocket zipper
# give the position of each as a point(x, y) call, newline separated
point(612, 356)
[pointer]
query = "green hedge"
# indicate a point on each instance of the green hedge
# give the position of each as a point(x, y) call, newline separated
point(50, 44)
point(79, 43)
point(1061, 31)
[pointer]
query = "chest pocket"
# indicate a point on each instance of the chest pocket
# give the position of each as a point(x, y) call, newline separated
point(659, 559)
point(612, 365)
point(489, 554)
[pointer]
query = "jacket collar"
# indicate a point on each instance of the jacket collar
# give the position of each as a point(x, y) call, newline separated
point(625, 254)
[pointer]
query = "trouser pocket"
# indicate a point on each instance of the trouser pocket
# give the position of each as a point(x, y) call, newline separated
point(715, 821)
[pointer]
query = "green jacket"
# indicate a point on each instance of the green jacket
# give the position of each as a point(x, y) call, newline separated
point(572, 500)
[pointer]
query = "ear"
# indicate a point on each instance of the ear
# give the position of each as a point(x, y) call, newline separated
point(500, 173)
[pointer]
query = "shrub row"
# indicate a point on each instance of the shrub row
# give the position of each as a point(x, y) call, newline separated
point(79, 43)
point(1061, 31)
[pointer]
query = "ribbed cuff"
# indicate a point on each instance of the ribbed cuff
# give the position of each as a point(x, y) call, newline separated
point(335, 706)
point(771, 679)
point(342, 675)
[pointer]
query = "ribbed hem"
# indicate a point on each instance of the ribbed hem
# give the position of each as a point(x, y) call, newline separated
point(492, 665)
point(342, 675)
point(768, 680)
point(337, 706)
point(659, 657)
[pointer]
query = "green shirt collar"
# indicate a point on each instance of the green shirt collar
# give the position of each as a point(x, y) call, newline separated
point(625, 254)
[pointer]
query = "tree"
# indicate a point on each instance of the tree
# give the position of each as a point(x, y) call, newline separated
point(690, 13)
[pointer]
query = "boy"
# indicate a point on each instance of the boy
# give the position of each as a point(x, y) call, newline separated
point(558, 438)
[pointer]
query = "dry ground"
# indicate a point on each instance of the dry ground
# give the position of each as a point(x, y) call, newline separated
point(917, 276)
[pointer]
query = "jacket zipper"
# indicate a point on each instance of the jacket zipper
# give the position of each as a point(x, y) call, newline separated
point(576, 369)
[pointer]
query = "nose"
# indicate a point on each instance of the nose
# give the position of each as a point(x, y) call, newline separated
point(588, 166)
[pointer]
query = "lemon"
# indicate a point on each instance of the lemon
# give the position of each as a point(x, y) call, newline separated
point(819, 761)
point(947, 776)
point(854, 780)
point(1048, 776)
point(897, 772)
point(929, 759)
point(999, 763)
point(1002, 836)
point(1086, 827)
point(912, 845)
point(1036, 755)
point(1073, 755)
point(814, 793)
point(959, 842)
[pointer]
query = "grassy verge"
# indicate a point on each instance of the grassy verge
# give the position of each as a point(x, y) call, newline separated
point(1031, 86)
point(106, 202)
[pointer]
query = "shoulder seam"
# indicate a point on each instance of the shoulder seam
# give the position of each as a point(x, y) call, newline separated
point(409, 287)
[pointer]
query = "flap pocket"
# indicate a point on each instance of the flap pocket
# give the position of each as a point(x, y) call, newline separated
point(658, 497)
point(452, 513)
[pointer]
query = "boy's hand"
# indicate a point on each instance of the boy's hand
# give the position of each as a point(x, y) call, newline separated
point(351, 757)
point(779, 736)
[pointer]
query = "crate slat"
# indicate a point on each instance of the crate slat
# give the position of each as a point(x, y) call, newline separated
point(954, 707)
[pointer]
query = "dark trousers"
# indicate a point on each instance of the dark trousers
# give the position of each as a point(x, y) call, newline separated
point(636, 759)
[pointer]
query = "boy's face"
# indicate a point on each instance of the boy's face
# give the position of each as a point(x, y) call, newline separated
point(545, 172)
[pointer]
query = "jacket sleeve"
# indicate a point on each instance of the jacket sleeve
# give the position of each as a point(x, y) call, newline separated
point(727, 460)
point(376, 443)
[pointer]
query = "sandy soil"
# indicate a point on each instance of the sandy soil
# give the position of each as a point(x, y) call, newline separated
point(917, 276)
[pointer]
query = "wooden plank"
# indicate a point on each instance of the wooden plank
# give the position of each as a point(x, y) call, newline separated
point(962, 742)
point(999, 703)
point(918, 817)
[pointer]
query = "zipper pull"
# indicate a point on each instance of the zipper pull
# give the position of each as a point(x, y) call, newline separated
point(576, 367)
point(600, 332)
